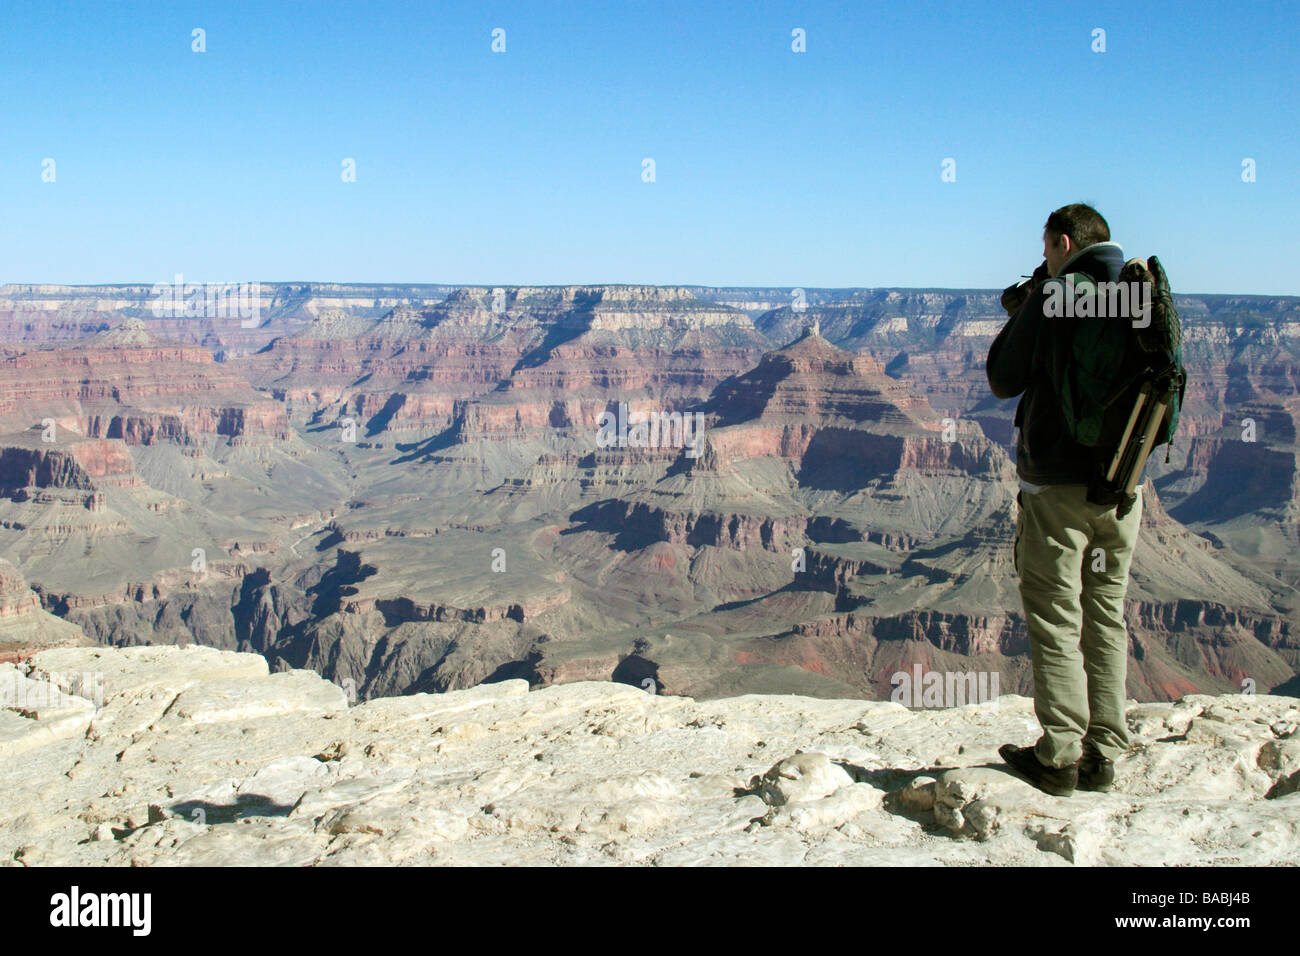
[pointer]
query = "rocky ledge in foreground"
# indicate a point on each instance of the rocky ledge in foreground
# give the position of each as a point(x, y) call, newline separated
point(200, 756)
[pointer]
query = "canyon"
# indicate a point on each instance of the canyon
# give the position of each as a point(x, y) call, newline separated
point(403, 489)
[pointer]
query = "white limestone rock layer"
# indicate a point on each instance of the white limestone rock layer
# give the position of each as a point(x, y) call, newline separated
point(198, 756)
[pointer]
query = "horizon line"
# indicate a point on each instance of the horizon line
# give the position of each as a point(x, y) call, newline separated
point(594, 285)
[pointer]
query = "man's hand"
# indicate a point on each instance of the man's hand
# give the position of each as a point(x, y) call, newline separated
point(1014, 296)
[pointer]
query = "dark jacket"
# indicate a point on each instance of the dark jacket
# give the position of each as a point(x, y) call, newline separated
point(1019, 359)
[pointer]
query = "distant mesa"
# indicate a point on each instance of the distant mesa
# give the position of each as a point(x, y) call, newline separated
point(130, 333)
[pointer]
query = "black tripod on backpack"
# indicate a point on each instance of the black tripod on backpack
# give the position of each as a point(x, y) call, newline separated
point(1151, 408)
point(1158, 399)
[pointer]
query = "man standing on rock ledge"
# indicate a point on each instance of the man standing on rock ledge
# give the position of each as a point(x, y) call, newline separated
point(1072, 555)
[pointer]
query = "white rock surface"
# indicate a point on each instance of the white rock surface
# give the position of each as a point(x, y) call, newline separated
point(200, 756)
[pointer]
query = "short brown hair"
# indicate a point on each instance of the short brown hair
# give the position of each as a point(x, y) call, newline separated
point(1083, 224)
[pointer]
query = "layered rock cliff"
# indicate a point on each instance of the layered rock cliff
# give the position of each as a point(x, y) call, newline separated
point(25, 627)
point(123, 383)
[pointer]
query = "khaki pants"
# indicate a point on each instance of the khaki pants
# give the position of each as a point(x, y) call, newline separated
point(1073, 559)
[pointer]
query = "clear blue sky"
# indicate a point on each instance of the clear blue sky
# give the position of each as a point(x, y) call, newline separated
point(773, 167)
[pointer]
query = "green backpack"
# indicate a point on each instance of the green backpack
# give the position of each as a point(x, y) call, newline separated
point(1122, 360)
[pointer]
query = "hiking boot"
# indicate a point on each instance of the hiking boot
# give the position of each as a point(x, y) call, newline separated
point(1058, 781)
point(1096, 773)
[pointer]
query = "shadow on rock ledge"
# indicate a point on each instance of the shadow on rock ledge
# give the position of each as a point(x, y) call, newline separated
point(199, 756)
